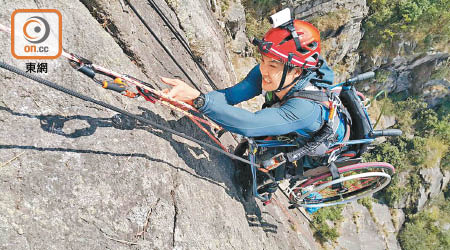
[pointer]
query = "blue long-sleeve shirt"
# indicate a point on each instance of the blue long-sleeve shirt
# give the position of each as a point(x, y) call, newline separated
point(295, 115)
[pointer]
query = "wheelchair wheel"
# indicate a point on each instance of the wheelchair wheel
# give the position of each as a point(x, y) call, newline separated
point(356, 181)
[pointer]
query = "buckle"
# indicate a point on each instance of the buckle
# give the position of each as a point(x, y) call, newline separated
point(334, 176)
point(264, 46)
point(274, 162)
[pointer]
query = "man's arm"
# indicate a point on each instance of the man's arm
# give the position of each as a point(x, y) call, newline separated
point(246, 89)
point(296, 114)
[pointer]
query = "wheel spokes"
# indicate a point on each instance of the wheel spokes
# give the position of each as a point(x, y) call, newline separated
point(355, 185)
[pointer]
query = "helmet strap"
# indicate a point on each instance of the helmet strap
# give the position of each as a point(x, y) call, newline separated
point(290, 26)
point(286, 68)
point(283, 78)
point(290, 84)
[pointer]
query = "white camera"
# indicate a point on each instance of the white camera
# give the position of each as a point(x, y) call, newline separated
point(280, 18)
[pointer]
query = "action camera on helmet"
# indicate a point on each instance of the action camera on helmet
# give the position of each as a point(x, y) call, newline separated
point(280, 18)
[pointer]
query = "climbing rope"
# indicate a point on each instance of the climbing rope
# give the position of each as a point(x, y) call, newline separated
point(162, 45)
point(181, 40)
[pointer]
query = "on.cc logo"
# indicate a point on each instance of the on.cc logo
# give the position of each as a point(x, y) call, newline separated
point(36, 29)
point(36, 34)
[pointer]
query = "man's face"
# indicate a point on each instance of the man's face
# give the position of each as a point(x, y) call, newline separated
point(272, 72)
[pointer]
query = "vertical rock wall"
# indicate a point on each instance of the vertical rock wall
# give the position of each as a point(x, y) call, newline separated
point(72, 177)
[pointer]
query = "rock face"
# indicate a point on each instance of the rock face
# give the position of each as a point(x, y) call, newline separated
point(434, 182)
point(414, 76)
point(365, 228)
point(205, 37)
point(72, 178)
point(408, 70)
point(339, 22)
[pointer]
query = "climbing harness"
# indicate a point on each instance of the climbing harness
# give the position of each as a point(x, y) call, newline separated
point(324, 142)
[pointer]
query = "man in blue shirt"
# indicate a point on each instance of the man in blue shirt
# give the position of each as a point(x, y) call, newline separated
point(290, 62)
point(296, 114)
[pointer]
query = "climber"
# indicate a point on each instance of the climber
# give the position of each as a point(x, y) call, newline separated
point(290, 63)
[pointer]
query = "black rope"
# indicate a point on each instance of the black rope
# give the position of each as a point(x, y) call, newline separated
point(109, 106)
point(162, 45)
point(182, 41)
point(170, 25)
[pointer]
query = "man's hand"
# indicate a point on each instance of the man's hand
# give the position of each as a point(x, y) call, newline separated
point(180, 90)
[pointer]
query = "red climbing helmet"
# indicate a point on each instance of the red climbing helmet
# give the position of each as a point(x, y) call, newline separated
point(296, 44)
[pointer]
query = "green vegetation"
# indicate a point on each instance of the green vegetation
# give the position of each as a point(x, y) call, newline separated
point(425, 25)
point(322, 218)
point(442, 71)
point(425, 230)
point(256, 15)
point(224, 6)
point(328, 24)
point(381, 75)
point(425, 143)
point(427, 22)
point(367, 202)
point(331, 21)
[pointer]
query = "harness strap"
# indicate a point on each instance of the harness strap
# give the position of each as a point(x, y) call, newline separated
point(290, 27)
point(327, 99)
point(347, 116)
point(314, 95)
point(286, 68)
point(318, 144)
point(334, 171)
point(324, 134)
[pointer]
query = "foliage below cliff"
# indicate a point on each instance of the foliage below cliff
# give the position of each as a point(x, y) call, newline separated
point(325, 221)
point(427, 22)
point(426, 230)
point(425, 143)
